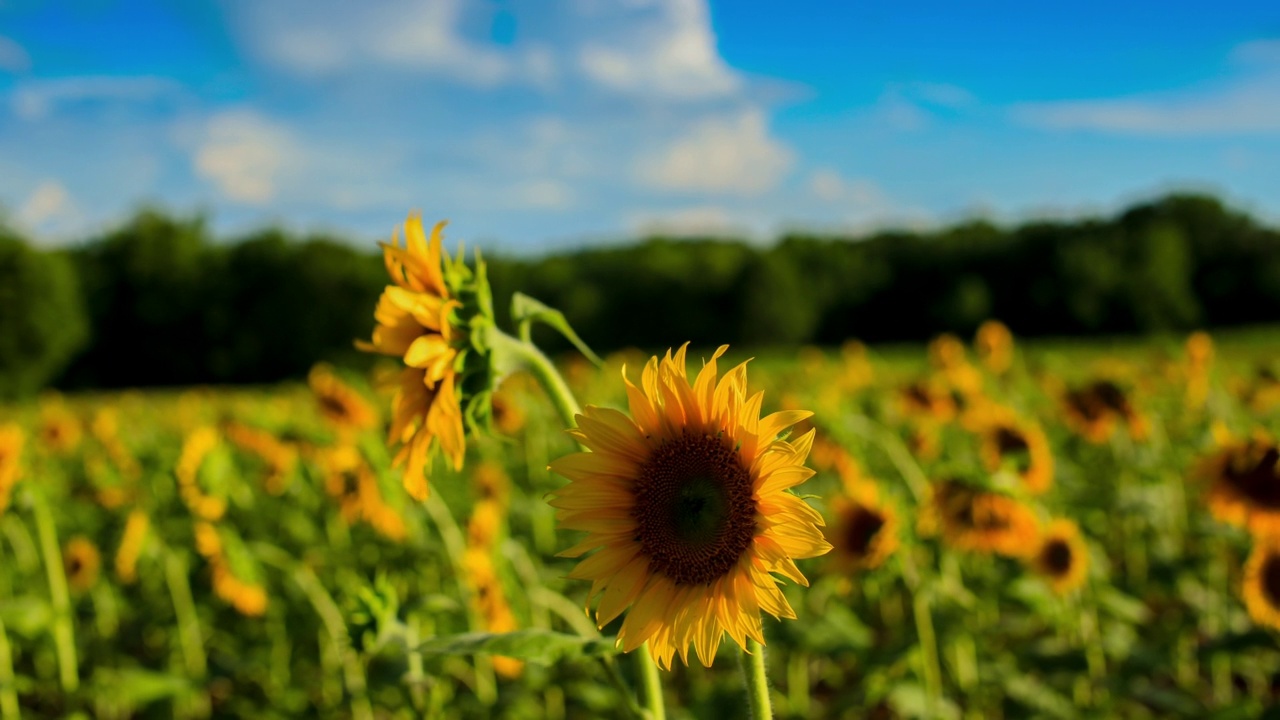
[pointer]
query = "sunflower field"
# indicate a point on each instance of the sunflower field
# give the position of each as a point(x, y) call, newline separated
point(980, 529)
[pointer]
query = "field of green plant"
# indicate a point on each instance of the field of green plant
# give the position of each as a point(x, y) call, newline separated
point(1051, 531)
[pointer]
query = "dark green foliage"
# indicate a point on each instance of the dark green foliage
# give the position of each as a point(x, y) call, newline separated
point(168, 305)
point(42, 317)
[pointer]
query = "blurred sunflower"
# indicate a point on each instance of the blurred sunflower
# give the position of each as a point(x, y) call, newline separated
point(1062, 557)
point(428, 318)
point(279, 458)
point(131, 545)
point(249, 599)
point(11, 441)
point(339, 403)
point(491, 483)
point(924, 399)
point(195, 449)
point(976, 520)
point(687, 500)
point(1006, 439)
point(1262, 581)
point(508, 416)
point(1094, 410)
point(81, 562)
point(1244, 483)
point(946, 352)
point(1199, 363)
point(346, 480)
point(489, 602)
point(865, 530)
point(993, 344)
point(59, 430)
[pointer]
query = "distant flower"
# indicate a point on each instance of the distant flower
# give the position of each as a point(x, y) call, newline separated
point(1021, 443)
point(1262, 581)
point(339, 403)
point(687, 500)
point(1062, 558)
point(1096, 409)
point(131, 545)
point(59, 430)
point(11, 441)
point(994, 346)
point(81, 562)
point(865, 530)
point(977, 520)
point(1244, 483)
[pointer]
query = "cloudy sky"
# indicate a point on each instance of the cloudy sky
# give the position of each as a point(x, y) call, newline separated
point(543, 123)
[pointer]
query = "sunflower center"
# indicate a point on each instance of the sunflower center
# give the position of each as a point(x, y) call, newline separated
point(1271, 580)
point(333, 406)
point(1259, 481)
point(863, 526)
point(1013, 445)
point(1057, 557)
point(694, 509)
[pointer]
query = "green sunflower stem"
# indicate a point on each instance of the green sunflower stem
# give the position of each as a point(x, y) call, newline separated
point(513, 354)
point(757, 680)
point(64, 637)
point(8, 694)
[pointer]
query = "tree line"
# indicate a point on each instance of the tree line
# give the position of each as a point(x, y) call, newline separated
point(159, 301)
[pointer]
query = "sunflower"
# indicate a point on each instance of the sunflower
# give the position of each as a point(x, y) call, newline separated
point(279, 458)
point(131, 544)
point(1094, 410)
point(1062, 557)
point(865, 531)
point(491, 483)
point(81, 562)
point(350, 481)
point(1021, 443)
point(59, 430)
point(11, 440)
point(857, 372)
point(946, 351)
point(924, 399)
point(687, 501)
point(195, 449)
point(416, 323)
point(976, 520)
point(1244, 479)
point(508, 416)
point(489, 602)
point(1262, 581)
point(339, 403)
point(993, 344)
point(249, 599)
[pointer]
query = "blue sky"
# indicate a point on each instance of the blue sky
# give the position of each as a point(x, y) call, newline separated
point(533, 124)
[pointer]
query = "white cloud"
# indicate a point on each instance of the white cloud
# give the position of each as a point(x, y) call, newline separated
point(700, 220)
point(720, 155)
point(36, 100)
point(543, 195)
point(1245, 103)
point(665, 49)
point(829, 185)
point(324, 37)
point(245, 154)
point(13, 58)
point(46, 205)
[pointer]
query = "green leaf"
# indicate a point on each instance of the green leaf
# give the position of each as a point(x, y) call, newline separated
point(525, 310)
point(538, 646)
point(26, 616)
point(1035, 694)
point(140, 686)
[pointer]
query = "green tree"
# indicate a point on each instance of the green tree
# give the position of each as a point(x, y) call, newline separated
point(42, 316)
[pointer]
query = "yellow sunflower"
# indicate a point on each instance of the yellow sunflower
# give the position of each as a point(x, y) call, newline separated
point(1005, 438)
point(976, 520)
point(11, 441)
point(131, 545)
point(195, 449)
point(59, 429)
point(994, 346)
point(414, 323)
point(489, 602)
point(1244, 478)
point(865, 530)
point(1262, 581)
point(340, 404)
point(81, 562)
point(1093, 411)
point(687, 500)
point(1062, 557)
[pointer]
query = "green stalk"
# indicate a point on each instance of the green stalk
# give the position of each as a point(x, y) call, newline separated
point(524, 354)
point(925, 633)
point(184, 606)
point(64, 637)
point(8, 694)
point(757, 681)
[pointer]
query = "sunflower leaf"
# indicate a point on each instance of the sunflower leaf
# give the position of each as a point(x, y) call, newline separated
point(525, 311)
point(538, 646)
